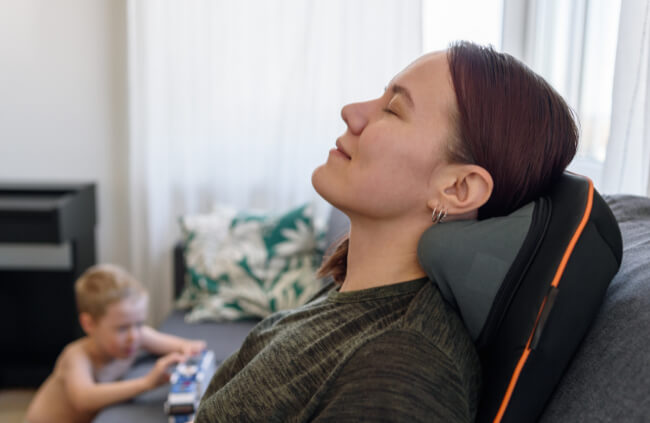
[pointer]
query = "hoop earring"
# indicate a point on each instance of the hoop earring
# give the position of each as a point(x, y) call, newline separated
point(438, 215)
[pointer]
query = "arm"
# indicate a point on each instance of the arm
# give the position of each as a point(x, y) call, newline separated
point(161, 343)
point(87, 395)
point(398, 377)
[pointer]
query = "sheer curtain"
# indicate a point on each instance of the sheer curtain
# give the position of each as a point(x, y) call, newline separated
point(627, 163)
point(236, 102)
point(572, 44)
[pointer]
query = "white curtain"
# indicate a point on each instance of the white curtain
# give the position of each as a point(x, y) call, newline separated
point(627, 163)
point(236, 102)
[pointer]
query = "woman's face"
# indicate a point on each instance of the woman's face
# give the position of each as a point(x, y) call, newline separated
point(386, 163)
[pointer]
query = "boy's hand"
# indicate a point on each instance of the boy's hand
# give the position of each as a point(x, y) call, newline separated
point(190, 348)
point(159, 375)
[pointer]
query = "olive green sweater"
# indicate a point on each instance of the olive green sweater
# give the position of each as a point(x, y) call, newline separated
point(395, 353)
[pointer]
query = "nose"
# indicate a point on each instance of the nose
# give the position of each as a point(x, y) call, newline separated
point(355, 116)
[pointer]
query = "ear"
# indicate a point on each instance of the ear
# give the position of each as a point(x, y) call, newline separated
point(461, 189)
point(87, 322)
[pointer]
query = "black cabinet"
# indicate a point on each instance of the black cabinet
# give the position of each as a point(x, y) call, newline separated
point(47, 239)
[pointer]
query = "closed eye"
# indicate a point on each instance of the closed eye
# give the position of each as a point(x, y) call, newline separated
point(389, 111)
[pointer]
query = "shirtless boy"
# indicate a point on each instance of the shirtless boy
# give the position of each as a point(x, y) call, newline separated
point(112, 310)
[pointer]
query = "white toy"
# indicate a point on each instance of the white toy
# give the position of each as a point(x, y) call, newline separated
point(188, 383)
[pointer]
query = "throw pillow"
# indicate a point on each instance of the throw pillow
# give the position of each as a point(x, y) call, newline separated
point(244, 265)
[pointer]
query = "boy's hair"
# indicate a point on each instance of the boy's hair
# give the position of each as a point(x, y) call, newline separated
point(102, 285)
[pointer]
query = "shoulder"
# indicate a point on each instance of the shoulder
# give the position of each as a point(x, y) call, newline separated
point(402, 352)
point(75, 349)
point(439, 323)
point(430, 314)
point(74, 354)
point(425, 368)
point(398, 376)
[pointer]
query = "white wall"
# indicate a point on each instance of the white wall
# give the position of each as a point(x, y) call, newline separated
point(63, 103)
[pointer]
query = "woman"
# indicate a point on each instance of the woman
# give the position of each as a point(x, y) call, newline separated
point(463, 134)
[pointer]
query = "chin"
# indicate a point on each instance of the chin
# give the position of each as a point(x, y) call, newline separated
point(319, 180)
point(338, 192)
point(324, 186)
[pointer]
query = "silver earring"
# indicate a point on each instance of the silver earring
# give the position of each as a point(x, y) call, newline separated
point(438, 215)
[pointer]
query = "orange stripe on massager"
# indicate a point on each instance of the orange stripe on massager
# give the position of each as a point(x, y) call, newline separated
point(554, 283)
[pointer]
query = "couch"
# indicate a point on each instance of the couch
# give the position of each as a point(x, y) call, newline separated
point(607, 380)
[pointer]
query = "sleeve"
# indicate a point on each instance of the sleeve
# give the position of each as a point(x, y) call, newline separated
point(397, 377)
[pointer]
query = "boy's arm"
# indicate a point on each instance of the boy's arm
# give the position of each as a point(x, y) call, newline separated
point(161, 343)
point(87, 395)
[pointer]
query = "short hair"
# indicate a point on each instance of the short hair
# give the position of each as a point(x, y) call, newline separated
point(102, 285)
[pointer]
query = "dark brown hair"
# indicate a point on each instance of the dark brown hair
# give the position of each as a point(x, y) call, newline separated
point(509, 121)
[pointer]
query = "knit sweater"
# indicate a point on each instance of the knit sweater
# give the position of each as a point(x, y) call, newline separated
point(396, 353)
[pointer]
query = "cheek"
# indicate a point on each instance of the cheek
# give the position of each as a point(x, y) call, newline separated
point(111, 344)
point(117, 340)
point(397, 162)
point(396, 174)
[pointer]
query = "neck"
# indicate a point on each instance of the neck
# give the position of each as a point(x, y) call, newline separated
point(381, 253)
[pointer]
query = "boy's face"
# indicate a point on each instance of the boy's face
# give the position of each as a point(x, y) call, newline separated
point(118, 331)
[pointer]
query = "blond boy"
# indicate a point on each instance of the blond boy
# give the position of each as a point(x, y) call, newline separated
point(112, 310)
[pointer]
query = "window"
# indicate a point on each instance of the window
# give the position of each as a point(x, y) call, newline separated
point(572, 44)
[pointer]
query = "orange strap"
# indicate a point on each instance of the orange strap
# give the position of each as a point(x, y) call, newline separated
point(554, 283)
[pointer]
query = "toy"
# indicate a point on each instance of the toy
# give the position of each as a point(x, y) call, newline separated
point(188, 383)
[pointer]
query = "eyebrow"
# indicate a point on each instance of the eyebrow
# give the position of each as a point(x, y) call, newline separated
point(399, 89)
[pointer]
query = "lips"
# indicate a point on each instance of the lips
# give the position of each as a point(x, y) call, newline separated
point(340, 148)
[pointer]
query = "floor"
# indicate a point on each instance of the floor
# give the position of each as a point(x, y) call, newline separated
point(13, 404)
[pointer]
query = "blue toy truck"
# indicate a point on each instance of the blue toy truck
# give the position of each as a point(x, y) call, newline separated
point(188, 383)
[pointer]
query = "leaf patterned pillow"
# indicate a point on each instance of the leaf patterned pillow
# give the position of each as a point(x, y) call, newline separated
point(244, 265)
